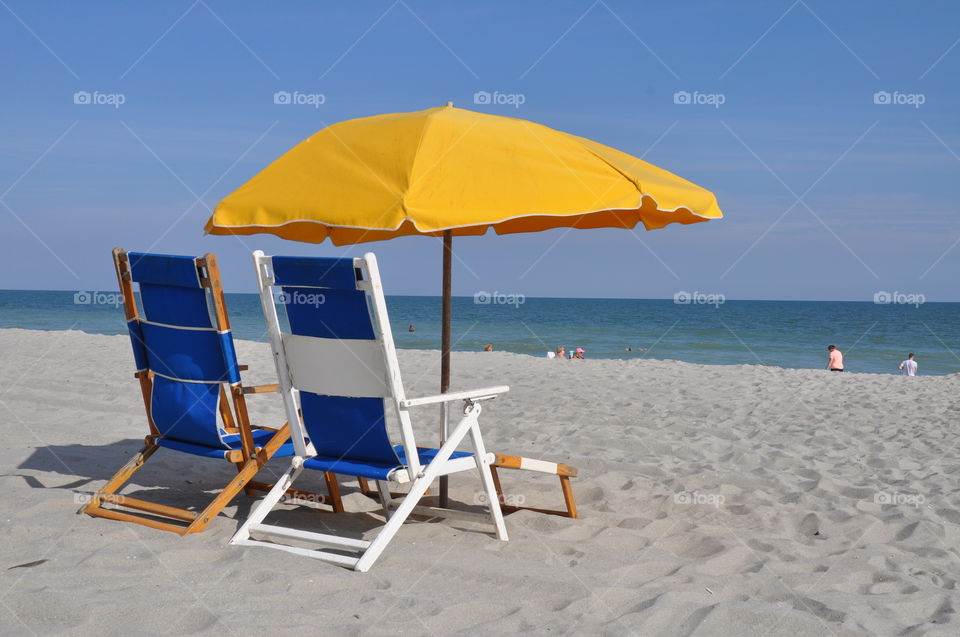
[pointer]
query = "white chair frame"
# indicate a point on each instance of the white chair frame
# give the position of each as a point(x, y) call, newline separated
point(382, 381)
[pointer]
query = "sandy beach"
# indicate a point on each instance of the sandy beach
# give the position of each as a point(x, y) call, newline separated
point(715, 500)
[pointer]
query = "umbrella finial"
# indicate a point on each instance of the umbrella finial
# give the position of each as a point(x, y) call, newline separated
point(450, 103)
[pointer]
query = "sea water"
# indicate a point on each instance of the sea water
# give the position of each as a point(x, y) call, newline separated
point(873, 337)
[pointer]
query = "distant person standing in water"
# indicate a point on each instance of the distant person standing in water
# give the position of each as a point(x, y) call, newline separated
point(909, 366)
point(835, 361)
point(411, 329)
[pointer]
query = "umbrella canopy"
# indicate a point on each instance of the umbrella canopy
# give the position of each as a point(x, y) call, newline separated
point(449, 169)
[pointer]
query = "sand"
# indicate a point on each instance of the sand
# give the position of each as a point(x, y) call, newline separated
point(740, 500)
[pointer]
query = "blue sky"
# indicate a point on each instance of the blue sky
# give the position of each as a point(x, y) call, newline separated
point(827, 194)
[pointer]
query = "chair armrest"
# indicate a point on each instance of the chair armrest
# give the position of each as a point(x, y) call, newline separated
point(485, 393)
point(261, 389)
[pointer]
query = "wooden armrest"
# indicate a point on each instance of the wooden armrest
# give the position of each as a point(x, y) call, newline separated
point(261, 389)
point(243, 368)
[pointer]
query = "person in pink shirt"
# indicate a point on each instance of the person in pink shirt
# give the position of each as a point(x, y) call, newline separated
point(835, 362)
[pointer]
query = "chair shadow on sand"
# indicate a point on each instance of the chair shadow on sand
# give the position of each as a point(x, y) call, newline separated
point(173, 479)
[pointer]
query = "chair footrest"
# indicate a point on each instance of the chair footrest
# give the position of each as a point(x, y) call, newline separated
point(531, 464)
point(307, 536)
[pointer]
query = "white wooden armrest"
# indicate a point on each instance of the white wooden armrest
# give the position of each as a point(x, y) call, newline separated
point(485, 393)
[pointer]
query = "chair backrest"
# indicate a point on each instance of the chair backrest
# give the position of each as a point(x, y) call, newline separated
point(339, 355)
point(183, 341)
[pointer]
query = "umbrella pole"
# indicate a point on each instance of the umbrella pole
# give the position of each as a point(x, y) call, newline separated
point(445, 347)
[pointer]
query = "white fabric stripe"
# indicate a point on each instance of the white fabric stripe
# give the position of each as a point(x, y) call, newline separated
point(336, 367)
point(529, 464)
point(184, 380)
point(182, 327)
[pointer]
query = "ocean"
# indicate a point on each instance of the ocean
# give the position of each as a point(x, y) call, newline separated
point(873, 337)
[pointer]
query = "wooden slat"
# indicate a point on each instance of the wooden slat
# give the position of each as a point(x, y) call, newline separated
point(261, 389)
point(136, 519)
point(150, 507)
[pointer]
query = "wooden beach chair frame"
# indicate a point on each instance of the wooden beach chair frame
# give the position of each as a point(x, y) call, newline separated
point(347, 369)
point(249, 458)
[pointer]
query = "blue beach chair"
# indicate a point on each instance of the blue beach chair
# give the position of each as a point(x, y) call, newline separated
point(339, 359)
point(187, 368)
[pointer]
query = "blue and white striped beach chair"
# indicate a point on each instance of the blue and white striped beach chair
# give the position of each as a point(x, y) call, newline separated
point(339, 359)
point(186, 365)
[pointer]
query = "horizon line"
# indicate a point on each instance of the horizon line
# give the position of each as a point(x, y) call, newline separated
point(557, 298)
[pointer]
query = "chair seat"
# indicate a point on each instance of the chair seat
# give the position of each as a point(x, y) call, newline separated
point(374, 470)
point(260, 438)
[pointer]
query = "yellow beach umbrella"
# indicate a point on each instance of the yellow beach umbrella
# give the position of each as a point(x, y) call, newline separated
point(451, 172)
point(449, 169)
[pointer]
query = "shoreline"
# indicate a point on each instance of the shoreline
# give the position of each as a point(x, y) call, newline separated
point(625, 359)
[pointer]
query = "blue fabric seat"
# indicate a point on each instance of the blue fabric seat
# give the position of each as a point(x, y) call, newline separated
point(348, 433)
point(373, 470)
point(260, 438)
point(189, 356)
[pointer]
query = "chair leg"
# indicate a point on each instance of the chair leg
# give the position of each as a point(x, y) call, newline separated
point(364, 486)
point(249, 489)
point(266, 505)
point(333, 488)
point(568, 496)
point(223, 498)
point(417, 489)
point(486, 479)
point(119, 478)
point(384, 489)
point(496, 484)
